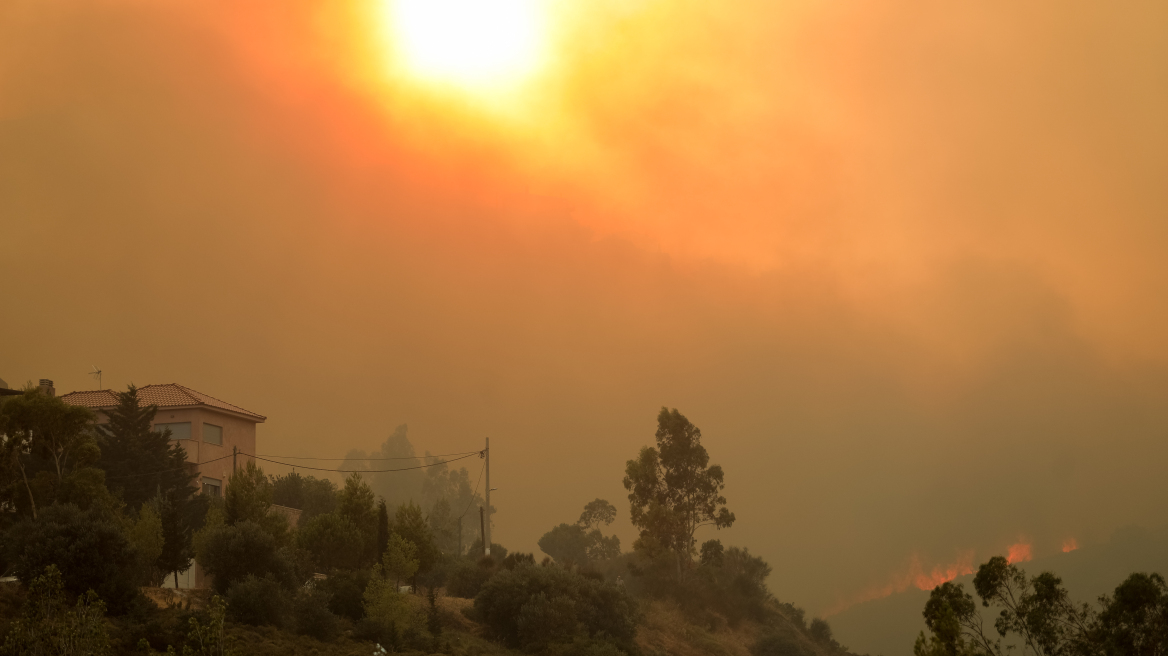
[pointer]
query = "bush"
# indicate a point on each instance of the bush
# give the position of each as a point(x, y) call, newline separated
point(346, 590)
point(235, 552)
point(535, 607)
point(466, 579)
point(47, 623)
point(782, 643)
point(587, 647)
point(543, 622)
point(312, 617)
point(389, 608)
point(820, 632)
point(257, 602)
point(90, 552)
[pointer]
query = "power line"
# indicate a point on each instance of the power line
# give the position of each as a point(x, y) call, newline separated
point(462, 456)
point(364, 471)
point(472, 496)
point(439, 455)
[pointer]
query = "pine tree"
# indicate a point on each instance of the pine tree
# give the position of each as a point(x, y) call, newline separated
point(140, 462)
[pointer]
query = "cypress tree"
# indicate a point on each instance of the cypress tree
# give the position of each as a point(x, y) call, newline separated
point(382, 529)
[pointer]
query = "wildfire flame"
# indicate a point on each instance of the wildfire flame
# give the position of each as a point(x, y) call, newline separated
point(914, 576)
point(1019, 553)
point(1070, 544)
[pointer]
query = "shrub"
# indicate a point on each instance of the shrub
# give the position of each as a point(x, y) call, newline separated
point(257, 602)
point(346, 591)
point(47, 623)
point(587, 647)
point(235, 552)
point(517, 559)
point(535, 607)
point(821, 631)
point(387, 607)
point(466, 579)
point(312, 617)
point(782, 643)
point(91, 553)
point(543, 622)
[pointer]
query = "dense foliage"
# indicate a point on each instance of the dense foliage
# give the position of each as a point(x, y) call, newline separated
point(1039, 613)
point(534, 607)
point(90, 551)
point(47, 625)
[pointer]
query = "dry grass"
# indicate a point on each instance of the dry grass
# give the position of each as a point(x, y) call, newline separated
point(171, 598)
point(666, 630)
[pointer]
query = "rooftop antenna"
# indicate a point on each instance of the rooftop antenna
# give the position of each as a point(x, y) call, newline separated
point(96, 373)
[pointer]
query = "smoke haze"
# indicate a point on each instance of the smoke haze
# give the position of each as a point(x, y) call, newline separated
point(902, 262)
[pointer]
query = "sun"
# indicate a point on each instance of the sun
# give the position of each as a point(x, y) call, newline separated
point(473, 44)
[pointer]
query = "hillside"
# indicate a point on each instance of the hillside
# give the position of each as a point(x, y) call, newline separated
point(889, 626)
point(664, 631)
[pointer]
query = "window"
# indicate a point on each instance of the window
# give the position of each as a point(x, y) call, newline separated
point(212, 486)
point(212, 434)
point(179, 431)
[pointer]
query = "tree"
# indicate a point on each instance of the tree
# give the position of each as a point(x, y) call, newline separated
point(566, 544)
point(596, 514)
point(356, 502)
point(1040, 613)
point(334, 541)
point(411, 525)
point(400, 561)
point(310, 495)
point(139, 461)
point(179, 523)
point(444, 527)
point(249, 499)
point(50, 444)
point(383, 528)
point(455, 490)
point(1038, 610)
point(673, 491)
point(148, 539)
point(1135, 619)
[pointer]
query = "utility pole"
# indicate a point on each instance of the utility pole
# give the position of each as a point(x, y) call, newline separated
point(483, 533)
point(487, 528)
point(234, 459)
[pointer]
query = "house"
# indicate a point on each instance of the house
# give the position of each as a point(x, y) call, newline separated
point(217, 435)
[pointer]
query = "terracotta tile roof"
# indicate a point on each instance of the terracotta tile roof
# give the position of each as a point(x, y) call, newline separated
point(170, 395)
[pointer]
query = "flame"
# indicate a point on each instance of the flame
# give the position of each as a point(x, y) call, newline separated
point(914, 576)
point(1019, 553)
point(1070, 544)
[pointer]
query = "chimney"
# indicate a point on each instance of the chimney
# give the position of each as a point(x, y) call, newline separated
point(46, 386)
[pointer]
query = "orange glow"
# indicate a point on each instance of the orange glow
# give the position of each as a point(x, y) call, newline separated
point(1019, 553)
point(1070, 544)
point(469, 44)
point(914, 576)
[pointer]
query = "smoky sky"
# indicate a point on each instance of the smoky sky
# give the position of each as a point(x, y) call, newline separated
point(902, 262)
